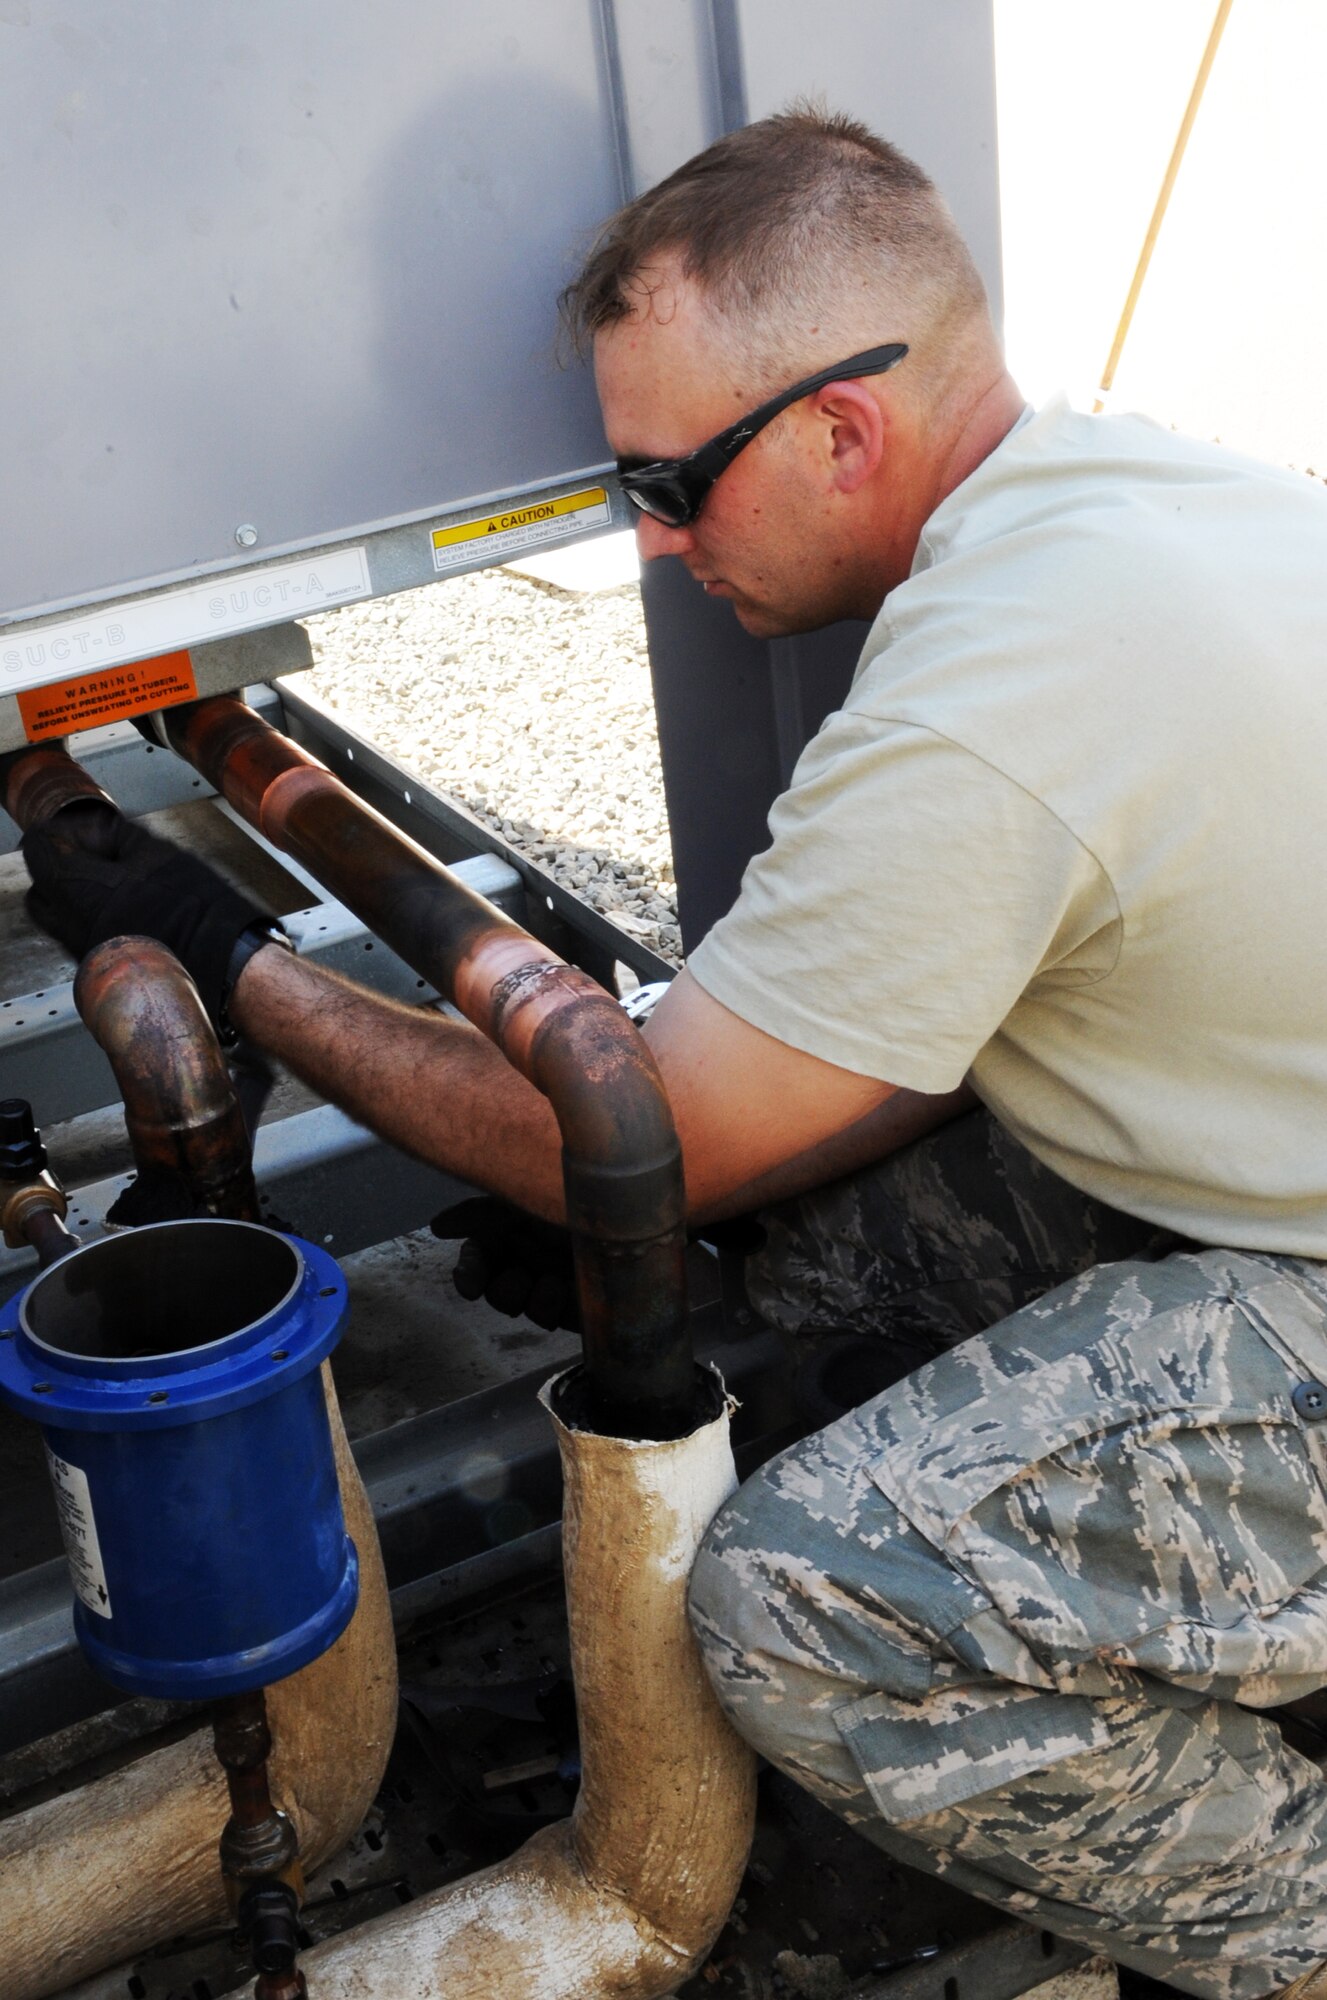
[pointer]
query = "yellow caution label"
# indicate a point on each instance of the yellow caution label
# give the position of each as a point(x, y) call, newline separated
point(521, 526)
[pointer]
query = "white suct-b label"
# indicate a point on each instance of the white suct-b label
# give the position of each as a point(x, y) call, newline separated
point(79, 1527)
point(142, 628)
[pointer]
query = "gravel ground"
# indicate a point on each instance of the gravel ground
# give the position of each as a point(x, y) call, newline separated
point(531, 704)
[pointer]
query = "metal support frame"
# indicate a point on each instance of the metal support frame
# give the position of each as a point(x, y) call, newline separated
point(318, 1173)
point(555, 914)
point(999, 1965)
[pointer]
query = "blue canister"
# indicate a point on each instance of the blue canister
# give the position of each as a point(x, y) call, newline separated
point(174, 1373)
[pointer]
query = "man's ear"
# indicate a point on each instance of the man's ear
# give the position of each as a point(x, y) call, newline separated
point(851, 433)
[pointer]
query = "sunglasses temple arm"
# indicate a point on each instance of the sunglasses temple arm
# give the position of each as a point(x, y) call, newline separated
point(720, 452)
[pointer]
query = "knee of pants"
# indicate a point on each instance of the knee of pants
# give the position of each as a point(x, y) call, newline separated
point(746, 1620)
point(791, 1613)
point(785, 1650)
point(719, 1606)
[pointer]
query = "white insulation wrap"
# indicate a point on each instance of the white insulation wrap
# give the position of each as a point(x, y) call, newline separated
point(100, 1873)
point(625, 1897)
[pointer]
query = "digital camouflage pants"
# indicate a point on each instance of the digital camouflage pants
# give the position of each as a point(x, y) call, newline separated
point(1012, 1618)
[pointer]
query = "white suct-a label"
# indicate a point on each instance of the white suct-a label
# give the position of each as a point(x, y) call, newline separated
point(78, 1525)
point(140, 628)
point(523, 525)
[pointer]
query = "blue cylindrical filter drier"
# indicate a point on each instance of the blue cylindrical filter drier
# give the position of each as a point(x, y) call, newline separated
point(175, 1374)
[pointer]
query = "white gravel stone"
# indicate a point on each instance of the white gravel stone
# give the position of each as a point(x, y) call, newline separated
point(531, 704)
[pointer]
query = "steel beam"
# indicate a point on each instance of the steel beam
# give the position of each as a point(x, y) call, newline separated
point(318, 1173)
point(999, 1965)
point(444, 828)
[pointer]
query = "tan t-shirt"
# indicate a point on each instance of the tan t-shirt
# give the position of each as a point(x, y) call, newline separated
point(1069, 830)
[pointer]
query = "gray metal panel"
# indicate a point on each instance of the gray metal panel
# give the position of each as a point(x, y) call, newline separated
point(733, 711)
point(112, 630)
point(678, 90)
point(290, 266)
point(921, 75)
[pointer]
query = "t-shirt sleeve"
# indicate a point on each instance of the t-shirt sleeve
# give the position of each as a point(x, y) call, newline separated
point(911, 894)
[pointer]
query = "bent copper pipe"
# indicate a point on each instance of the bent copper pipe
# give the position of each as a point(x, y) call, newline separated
point(183, 1116)
point(142, 1007)
point(622, 1167)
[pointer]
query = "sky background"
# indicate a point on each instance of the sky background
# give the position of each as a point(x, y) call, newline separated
point(1230, 336)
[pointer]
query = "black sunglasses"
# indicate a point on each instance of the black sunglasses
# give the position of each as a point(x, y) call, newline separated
point(673, 490)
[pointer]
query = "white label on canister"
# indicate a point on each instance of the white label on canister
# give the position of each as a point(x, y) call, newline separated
point(78, 1525)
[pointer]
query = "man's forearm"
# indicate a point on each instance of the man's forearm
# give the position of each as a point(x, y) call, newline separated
point(903, 1118)
point(433, 1086)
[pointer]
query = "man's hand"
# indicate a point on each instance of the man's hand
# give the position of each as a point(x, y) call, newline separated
point(97, 875)
point(520, 1265)
point(513, 1260)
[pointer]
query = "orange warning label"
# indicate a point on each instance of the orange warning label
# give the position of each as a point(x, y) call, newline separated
point(64, 706)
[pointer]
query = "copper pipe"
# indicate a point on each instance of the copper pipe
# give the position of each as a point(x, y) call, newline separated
point(622, 1167)
point(38, 782)
point(49, 1234)
point(144, 1010)
point(182, 1114)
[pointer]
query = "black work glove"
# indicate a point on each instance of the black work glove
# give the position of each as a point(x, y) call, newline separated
point(97, 875)
point(522, 1265)
point(513, 1260)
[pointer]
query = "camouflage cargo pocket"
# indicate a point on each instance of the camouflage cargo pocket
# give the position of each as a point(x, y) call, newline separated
point(919, 1757)
point(1121, 1470)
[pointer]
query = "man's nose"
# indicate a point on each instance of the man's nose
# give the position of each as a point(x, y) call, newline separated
point(655, 538)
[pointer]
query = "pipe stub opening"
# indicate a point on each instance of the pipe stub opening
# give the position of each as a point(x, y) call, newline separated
point(575, 1402)
point(166, 1289)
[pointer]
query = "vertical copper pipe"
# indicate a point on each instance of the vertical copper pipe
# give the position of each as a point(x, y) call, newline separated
point(181, 1110)
point(622, 1167)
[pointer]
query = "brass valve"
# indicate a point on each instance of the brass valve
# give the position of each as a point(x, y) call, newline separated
point(33, 1204)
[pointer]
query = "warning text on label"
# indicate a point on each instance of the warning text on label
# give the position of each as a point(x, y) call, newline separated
point(78, 1526)
point(522, 526)
point(61, 707)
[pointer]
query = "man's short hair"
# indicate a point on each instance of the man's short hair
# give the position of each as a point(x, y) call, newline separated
point(799, 225)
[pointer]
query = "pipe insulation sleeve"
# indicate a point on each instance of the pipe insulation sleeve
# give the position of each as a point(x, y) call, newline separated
point(626, 1896)
point(93, 1876)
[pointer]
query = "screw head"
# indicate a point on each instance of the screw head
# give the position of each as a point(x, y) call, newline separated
point(246, 534)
